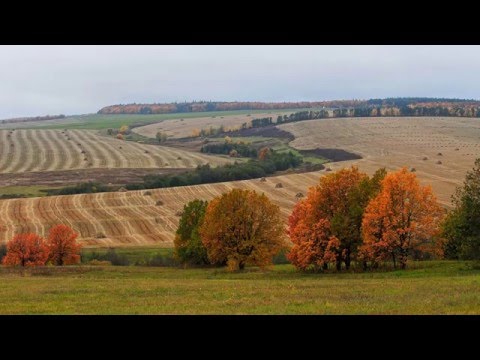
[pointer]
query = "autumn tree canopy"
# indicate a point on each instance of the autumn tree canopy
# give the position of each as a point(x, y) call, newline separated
point(26, 250)
point(242, 227)
point(403, 217)
point(188, 244)
point(62, 245)
point(325, 226)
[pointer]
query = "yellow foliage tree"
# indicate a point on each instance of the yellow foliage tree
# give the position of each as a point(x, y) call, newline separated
point(242, 227)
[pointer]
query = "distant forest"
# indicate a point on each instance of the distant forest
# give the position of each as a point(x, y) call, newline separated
point(339, 108)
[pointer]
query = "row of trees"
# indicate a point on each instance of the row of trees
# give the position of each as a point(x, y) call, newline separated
point(29, 249)
point(348, 217)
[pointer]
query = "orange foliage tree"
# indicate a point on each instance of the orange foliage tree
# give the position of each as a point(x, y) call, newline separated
point(325, 226)
point(242, 227)
point(26, 250)
point(62, 245)
point(264, 153)
point(404, 216)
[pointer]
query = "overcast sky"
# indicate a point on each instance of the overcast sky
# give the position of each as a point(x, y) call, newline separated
point(40, 80)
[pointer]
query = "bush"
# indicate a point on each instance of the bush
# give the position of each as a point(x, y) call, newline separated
point(96, 262)
point(110, 256)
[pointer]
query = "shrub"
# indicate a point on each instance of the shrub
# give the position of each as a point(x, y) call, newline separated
point(96, 262)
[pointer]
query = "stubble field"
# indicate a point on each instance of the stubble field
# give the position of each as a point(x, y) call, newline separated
point(440, 149)
point(53, 150)
point(134, 217)
point(181, 128)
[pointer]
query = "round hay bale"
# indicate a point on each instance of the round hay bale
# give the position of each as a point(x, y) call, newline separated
point(263, 179)
point(147, 193)
point(122, 189)
point(160, 203)
point(179, 213)
point(425, 158)
point(440, 154)
point(279, 186)
point(100, 235)
point(328, 169)
point(439, 162)
point(85, 159)
point(299, 195)
point(119, 147)
point(146, 151)
point(413, 169)
point(457, 149)
point(179, 158)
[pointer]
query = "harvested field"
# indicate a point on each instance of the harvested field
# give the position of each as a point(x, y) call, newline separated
point(131, 218)
point(51, 150)
point(178, 128)
point(414, 142)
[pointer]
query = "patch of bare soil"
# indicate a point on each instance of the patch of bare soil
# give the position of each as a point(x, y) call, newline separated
point(72, 177)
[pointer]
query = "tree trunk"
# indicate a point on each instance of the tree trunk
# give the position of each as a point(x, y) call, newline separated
point(403, 259)
point(241, 265)
point(347, 259)
point(394, 260)
point(339, 264)
point(365, 265)
point(325, 266)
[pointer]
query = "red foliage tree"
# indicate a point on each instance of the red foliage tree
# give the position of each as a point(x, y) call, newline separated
point(26, 250)
point(64, 250)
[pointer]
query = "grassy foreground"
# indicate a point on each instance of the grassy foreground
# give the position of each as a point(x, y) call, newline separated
point(426, 288)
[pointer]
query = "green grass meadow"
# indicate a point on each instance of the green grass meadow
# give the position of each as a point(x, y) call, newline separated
point(440, 287)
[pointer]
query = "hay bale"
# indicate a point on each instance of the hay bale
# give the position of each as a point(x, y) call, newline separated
point(119, 147)
point(122, 189)
point(179, 158)
point(299, 195)
point(160, 203)
point(147, 193)
point(439, 162)
point(263, 179)
point(179, 213)
point(100, 235)
point(425, 158)
point(85, 159)
point(457, 149)
point(439, 154)
point(413, 169)
point(146, 151)
point(328, 169)
point(279, 186)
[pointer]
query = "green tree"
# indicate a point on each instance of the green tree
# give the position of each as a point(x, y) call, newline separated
point(188, 244)
point(461, 227)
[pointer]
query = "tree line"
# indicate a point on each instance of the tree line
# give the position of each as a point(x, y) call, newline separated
point(348, 218)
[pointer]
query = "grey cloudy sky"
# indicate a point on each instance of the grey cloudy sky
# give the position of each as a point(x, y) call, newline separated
point(39, 80)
